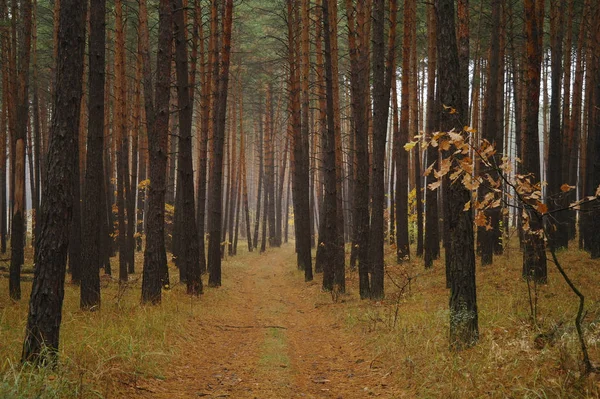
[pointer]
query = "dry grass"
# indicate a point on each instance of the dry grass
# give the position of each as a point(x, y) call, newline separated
point(100, 351)
point(409, 332)
point(112, 352)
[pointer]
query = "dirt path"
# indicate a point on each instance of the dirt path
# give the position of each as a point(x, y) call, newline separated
point(268, 335)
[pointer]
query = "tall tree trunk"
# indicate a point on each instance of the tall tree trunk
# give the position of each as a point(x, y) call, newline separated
point(460, 252)
point(155, 273)
point(93, 189)
point(4, 120)
point(188, 252)
point(333, 263)
point(359, 38)
point(381, 98)
point(36, 142)
point(402, 170)
point(244, 184)
point(491, 132)
point(414, 131)
point(534, 255)
point(559, 234)
point(120, 133)
point(432, 234)
point(17, 236)
point(592, 184)
point(45, 304)
point(206, 71)
point(575, 120)
point(299, 156)
point(270, 167)
point(260, 178)
point(216, 166)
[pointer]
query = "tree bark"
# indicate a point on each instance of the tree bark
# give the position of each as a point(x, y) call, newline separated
point(155, 273)
point(534, 255)
point(188, 251)
point(460, 253)
point(215, 204)
point(17, 236)
point(45, 305)
point(94, 181)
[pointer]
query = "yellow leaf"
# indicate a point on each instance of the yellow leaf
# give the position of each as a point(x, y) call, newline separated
point(410, 145)
point(467, 206)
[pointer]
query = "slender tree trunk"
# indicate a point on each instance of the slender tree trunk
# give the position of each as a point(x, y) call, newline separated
point(381, 97)
point(260, 179)
point(329, 239)
point(359, 38)
point(93, 189)
point(491, 131)
point(155, 273)
point(206, 72)
point(592, 240)
point(559, 235)
point(4, 119)
point(534, 255)
point(464, 330)
point(299, 156)
point(414, 131)
point(189, 252)
point(17, 236)
point(575, 125)
point(402, 171)
point(216, 167)
point(45, 305)
point(120, 132)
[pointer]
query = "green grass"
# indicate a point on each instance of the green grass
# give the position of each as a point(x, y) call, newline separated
point(274, 350)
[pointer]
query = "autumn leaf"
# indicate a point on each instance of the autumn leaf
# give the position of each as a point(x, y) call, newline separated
point(437, 135)
point(449, 109)
point(480, 219)
point(470, 183)
point(467, 206)
point(445, 145)
point(410, 145)
point(466, 164)
point(455, 137)
point(566, 188)
point(444, 169)
point(456, 174)
point(542, 208)
point(429, 169)
point(435, 185)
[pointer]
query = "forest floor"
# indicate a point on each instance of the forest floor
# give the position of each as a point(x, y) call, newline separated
point(271, 336)
point(267, 334)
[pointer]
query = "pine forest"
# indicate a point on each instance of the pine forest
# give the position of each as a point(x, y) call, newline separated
point(299, 198)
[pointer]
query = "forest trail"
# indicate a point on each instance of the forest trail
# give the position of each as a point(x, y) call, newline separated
point(268, 335)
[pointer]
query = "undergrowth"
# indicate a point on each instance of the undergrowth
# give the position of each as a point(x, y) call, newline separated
point(100, 352)
point(516, 356)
